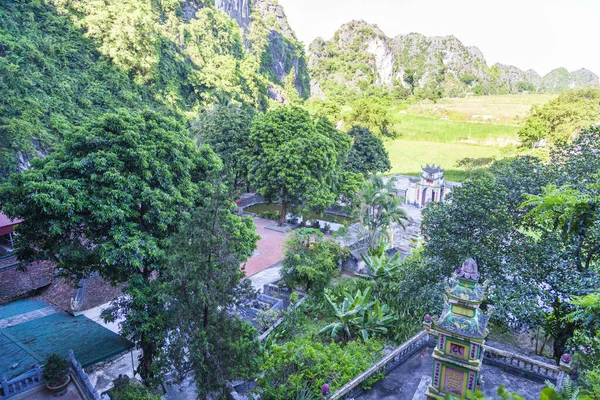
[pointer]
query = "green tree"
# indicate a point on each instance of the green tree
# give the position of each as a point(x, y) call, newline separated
point(562, 118)
point(226, 129)
point(371, 114)
point(378, 211)
point(204, 283)
point(411, 78)
point(367, 155)
point(484, 220)
point(108, 200)
point(293, 159)
point(311, 261)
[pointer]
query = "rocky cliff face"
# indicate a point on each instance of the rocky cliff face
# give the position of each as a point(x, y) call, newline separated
point(282, 58)
point(360, 54)
point(238, 10)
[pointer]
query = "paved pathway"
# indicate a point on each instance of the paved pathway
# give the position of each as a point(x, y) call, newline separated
point(270, 247)
point(269, 275)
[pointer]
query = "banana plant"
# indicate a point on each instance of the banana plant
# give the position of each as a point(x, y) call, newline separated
point(359, 314)
point(346, 313)
point(381, 268)
point(376, 320)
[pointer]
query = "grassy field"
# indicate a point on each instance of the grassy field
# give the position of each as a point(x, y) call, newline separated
point(506, 110)
point(430, 129)
point(408, 156)
point(453, 129)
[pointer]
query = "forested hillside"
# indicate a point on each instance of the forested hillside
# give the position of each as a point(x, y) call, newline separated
point(360, 55)
point(64, 62)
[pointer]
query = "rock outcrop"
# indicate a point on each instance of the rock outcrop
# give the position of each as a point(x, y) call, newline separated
point(360, 55)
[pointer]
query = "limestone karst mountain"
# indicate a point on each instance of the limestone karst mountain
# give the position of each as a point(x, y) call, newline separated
point(360, 55)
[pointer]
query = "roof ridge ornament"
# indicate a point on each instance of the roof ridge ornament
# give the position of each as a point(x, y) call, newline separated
point(468, 270)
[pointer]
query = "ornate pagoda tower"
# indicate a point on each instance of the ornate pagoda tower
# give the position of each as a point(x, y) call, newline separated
point(462, 330)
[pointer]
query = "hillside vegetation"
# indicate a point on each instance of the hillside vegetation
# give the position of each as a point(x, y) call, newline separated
point(65, 62)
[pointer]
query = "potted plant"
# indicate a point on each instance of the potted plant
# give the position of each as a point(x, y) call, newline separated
point(56, 374)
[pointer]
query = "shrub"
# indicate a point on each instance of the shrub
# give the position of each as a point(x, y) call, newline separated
point(55, 369)
point(304, 363)
point(125, 389)
point(272, 215)
point(311, 261)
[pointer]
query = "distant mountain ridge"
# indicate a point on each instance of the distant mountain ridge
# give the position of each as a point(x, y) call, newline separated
point(360, 55)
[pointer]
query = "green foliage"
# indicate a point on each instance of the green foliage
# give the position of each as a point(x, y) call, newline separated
point(308, 363)
point(226, 130)
point(586, 339)
point(485, 220)
point(294, 159)
point(381, 269)
point(378, 209)
point(371, 114)
point(107, 201)
point(53, 80)
point(65, 63)
point(203, 282)
point(311, 260)
point(272, 215)
point(367, 155)
point(559, 119)
point(56, 369)
point(591, 383)
point(129, 390)
point(358, 315)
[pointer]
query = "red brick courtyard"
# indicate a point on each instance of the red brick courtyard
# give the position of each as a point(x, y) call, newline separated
point(270, 247)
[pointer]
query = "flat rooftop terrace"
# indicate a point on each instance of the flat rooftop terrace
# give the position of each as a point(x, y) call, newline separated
point(30, 330)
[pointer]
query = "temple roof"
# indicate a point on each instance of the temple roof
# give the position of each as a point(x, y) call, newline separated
point(5, 221)
point(432, 169)
point(471, 327)
point(468, 294)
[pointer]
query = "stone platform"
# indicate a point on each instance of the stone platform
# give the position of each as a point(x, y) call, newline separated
point(403, 381)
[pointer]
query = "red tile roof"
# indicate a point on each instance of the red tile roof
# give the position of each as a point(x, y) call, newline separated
point(5, 221)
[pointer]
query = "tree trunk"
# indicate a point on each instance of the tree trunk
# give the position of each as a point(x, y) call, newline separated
point(283, 212)
point(146, 359)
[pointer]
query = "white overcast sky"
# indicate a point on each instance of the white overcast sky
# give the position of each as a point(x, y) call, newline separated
point(538, 34)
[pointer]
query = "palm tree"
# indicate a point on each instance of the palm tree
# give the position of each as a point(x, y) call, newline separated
point(379, 209)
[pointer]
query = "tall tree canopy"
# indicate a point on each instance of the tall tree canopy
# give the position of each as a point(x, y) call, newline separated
point(108, 200)
point(226, 129)
point(367, 155)
point(295, 160)
point(206, 339)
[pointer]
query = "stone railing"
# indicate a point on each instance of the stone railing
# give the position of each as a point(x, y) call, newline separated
point(21, 383)
point(82, 379)
point(272, 289)
point(492, 355)
point(395, 358)
point(524, 364)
